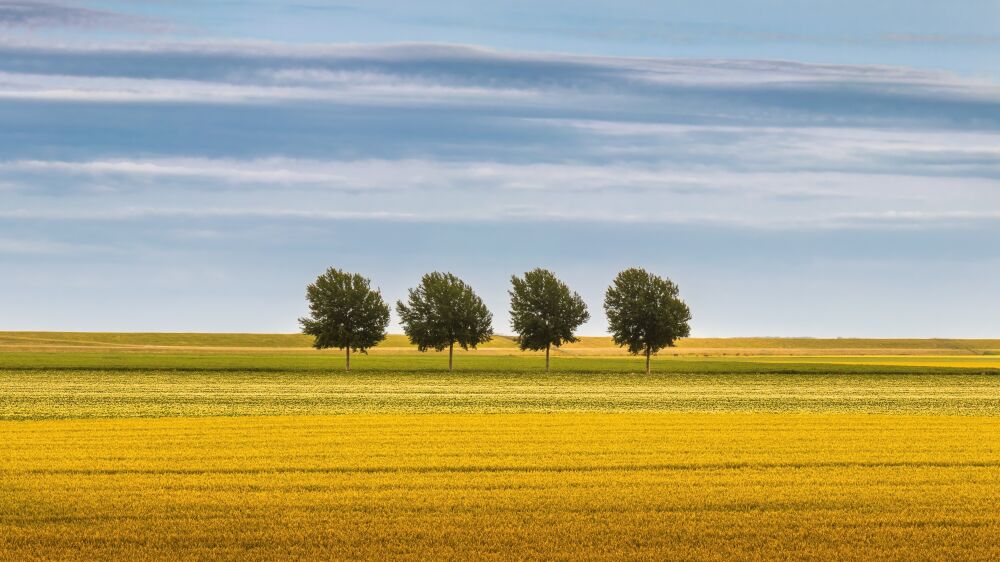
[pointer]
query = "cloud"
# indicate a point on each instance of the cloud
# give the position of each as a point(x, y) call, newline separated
point(430, 191)
point(382, 175)
point(915, 219)
point(35, 14)
point(138, 213)
point(350, 88)
point(450, 133)
point(757, 184)
point(417, 74)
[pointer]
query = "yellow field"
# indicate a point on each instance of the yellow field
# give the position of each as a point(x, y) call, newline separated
point(473, 486)
point(961, 361)
point(235, 447)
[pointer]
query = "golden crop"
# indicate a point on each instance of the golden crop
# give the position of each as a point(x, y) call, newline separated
point(113, 450)
point(711, 486)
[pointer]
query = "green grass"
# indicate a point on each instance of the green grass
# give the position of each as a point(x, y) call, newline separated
point(127, 382)
point(333, 362)
point(134, 383)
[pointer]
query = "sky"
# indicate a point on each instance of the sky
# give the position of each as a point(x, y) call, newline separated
point(799, 168)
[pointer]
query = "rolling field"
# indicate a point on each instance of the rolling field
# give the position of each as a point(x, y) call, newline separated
point(397, 344)
point(203, 453)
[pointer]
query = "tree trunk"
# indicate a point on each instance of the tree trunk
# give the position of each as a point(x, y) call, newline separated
point(647, 360)
point(547, 346)
point(451, 353)
point(348, 358)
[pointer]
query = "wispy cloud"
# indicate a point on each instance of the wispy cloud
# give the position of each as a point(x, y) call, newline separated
point(421, 73)
point(918, 218)
point(384, 175)
point(138, 213)
point(380, 175)
point(353, 88)
point(33, 14)
point(453, 133)
point(430, 191)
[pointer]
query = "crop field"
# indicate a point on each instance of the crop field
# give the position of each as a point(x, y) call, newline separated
point(500, 345)
point(224, 447)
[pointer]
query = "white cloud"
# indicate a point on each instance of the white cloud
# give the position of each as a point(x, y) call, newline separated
point(426, 73)
point(917, 219)
point(836, 221)
point(796, 161)
point(378, 174)
point(568, 138)
point(436, 191)
point(365, 89)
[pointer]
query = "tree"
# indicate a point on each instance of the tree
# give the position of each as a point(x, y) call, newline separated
point(346, 313)
point(645, 312)
point(443, 311)
point(544, 312)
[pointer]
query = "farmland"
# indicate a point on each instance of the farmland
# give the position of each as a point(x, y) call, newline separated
point(256, 447)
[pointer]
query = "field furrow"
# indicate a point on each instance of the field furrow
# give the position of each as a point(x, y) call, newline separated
point(503, 487)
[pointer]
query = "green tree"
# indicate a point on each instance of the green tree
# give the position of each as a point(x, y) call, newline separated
point(645, 312)
point(543, 311)
point(346, 313)
point(443, 311)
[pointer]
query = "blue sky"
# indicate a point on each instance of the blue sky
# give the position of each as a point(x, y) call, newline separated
point(799, 168)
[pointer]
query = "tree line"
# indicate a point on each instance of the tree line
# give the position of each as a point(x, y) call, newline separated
point(645, 313)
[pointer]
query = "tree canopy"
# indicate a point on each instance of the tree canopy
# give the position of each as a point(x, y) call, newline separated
point(346, 313)
point(442, 311)
point(645, 312)
point(543, 311)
